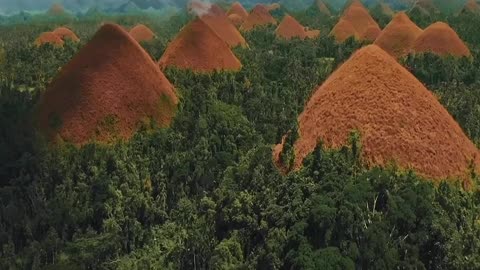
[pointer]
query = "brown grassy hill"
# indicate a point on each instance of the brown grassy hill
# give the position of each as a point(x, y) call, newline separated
point(344, 30)
point(56, 9)
point(142, 33)
point(360, 19)
point(313, 33)
point(106, 91)
point(238, 9)
point(235, 19)
point(65, 33)
point(387, 10)
point(50, 38)
point(399, 35)
point(273, 6)
point(259, 16)
point(398, 118)
point(323, 8)
point(198, 48)
point(218, 21)
point(372, 33)
point(290, 28)
point(471, 6)
point(440, 39)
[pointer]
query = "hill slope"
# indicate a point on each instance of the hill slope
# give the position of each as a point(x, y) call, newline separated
point(105, 91)
point(398, 118)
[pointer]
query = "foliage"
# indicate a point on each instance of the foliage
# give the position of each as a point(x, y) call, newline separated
point(204, 193)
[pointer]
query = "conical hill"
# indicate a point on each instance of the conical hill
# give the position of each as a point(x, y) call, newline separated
point(239, 10)
point(322, 7)
point(273, 6)
point(235, 19)
point(360, 24)
point(387, 10)
point(107, 89)
point(398, 119)
point(218, 21)
point(399, 35)
point(49, 38)
point(56, 10)
point(471, 6)
point(440, 39)
point(65, 33)
point(198, 48)
point(290, 28)
point(360, 18)
point(142, 33)
point(344, 30)
point(259, 16)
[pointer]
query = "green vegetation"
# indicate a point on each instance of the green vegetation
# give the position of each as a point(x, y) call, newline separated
point(204, 193)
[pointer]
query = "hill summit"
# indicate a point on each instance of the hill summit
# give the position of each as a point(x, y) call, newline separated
point(322, 7)
point(365, 27)
point(198, 48)
point(344, 30)
point(49, 38)
point(440, 39)
point(142, 33)
point(289, 28)
point(259, 16)
point(109, 87)
point(239, 10)
point(235, 19)
point(399, 35)
point(56, 10)
point(471, 6)
point(398, 119)
point(387, 10)
point(219, 22)
point(65, 33)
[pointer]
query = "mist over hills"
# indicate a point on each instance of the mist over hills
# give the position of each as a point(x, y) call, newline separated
point(15, 6)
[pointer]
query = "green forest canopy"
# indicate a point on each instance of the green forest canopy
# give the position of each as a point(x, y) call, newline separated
point(204, 194)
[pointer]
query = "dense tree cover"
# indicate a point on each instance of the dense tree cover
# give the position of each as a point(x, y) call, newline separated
point(204, 193)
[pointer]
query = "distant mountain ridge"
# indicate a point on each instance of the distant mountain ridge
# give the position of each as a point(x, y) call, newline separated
point(15, 6)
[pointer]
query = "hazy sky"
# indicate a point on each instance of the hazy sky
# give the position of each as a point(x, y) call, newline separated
point(17, 5)
point(13, 6)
